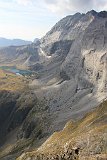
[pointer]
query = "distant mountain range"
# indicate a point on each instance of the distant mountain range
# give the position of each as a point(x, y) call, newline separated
point(14, 42)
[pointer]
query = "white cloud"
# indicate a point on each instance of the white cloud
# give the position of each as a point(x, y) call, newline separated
point(24, 2)
point(29, 18)
point(67, 6)
point(72, 6)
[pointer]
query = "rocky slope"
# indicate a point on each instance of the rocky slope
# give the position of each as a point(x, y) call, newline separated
point(74, 72)
point(70, 63)
point(21, 56)
point(83, 140)
point(23, 118)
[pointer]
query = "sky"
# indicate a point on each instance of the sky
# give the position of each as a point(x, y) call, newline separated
point(30, 19)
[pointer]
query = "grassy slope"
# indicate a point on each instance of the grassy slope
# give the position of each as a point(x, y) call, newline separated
point(89, 134)
point(11, 82)
point(27, 100)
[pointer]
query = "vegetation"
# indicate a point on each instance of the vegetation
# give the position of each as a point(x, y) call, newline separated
point(11, 82)
point(23, 118)
point(88, 136)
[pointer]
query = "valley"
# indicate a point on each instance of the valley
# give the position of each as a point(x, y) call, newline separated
point(53, 93)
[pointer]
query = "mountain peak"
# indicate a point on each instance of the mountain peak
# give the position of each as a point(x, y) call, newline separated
point(102, 14)
point(93, 12)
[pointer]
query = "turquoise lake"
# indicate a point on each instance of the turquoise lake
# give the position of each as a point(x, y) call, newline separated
point(15, 70)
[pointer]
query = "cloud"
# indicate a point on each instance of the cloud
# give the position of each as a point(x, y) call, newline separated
point(24, 2)
point(72, 6)
point(63, 7)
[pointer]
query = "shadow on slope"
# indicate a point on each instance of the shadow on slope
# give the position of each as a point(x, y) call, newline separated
point(84, 139)
point(23, 120)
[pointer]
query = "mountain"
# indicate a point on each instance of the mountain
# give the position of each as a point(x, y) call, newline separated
point(35, 40)
point(24, 56)
point(69, 84)
point(75, 65)
point(13, 42)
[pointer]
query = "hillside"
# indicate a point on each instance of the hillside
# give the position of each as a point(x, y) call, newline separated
point(69, 66)
point(11, 82)
point(21, 56)
point(85, 139)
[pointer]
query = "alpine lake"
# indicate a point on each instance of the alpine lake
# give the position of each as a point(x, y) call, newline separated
point(16, 71)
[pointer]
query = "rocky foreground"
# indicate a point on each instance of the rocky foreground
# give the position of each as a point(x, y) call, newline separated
point(82, 140)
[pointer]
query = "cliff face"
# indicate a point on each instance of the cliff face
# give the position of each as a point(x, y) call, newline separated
point(74, 70)
point(71, 66)
point(85, 58)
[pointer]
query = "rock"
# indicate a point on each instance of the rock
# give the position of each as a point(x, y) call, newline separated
point(71, 64)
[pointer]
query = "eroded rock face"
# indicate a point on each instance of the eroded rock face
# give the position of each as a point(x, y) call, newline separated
point(88, 35)
point(71, 78)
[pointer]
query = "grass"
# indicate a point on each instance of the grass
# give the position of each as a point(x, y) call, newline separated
point(89, 133)
point(12, 82)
